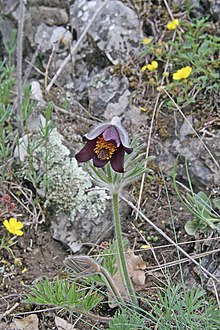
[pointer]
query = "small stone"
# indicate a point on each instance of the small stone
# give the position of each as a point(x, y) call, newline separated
point(53, 16)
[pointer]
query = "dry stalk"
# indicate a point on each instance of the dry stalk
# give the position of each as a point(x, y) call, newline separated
point(151, 128)
point(19, 63)
point(160, 231)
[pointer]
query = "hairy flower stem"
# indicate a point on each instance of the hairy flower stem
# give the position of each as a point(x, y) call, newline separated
point(121, 253)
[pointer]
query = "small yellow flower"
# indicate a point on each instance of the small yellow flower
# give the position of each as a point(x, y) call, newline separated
point(146, 41)
point(152, 66)
point(24, 270)
point(182, 73)
point(14, 226)
point(173, 25)
point(166, 74)
point(143, 68)
point(18, 262)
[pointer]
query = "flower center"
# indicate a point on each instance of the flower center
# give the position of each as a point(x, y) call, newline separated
point(103, 149)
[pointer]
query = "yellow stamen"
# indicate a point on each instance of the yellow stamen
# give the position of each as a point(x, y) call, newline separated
point(104, 149)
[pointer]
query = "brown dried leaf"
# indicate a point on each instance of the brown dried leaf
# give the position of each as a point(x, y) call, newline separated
point(136, 267)
point(30, 322)
point(63, 325)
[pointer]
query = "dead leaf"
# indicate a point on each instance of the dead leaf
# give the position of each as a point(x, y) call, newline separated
point(63, 325)
point(121, 288)
point(30, 322)
point(136, 267)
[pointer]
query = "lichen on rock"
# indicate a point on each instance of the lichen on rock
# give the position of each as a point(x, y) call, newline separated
point(69, 192)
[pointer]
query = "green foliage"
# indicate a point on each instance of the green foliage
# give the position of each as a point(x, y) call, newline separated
point(10, 45)
point(108, 259)
point(199, 49)
point(200, 205)
point(7, 134)
point(9, 119)
point(177, 308)
point(127, 320)
point(196, 46)
point(63, 294)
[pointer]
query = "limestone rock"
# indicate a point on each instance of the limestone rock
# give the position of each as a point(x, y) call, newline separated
point(108, 94)
point(116, 31)
point(204, 172)
point(51, 16)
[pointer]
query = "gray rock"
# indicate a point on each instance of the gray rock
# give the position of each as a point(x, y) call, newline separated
point(50, 16)
point(185, 129)
point(210, 285)
point(116, 31)
point(49, 36)
point(204, 172)
point(36, 91)
point(6, 27)
point(200, 8)
point(108, 94)
point(8, 6)
point(50, 3)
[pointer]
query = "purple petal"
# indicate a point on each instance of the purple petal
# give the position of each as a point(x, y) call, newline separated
point(98, 130)
point(128, 150)
point(111, 134)
point(117, 160)
point(87, 152)
point(123, 135)
point(99, 162)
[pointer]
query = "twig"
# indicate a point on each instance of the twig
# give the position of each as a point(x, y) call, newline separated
point(168, 9)
point(48, 65)
point(160, 231)
point(151, 129)
point(176, 262)
point(9, 310)
point(73, 50)
point(19, 62)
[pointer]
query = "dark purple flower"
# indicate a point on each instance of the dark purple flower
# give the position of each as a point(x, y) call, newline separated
point(106, 142)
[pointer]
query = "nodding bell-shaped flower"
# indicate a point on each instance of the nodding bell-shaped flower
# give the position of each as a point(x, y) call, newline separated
point(106, 143)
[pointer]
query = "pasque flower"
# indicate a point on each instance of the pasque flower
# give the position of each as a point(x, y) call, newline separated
point(106, 142)
point(182, 73)
point(14, 226)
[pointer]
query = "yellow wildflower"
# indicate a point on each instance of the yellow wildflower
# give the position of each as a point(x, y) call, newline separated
point(182, 73)
point(24, 270)
point(145, 246)
point(173, 25)
point(14, 226)
point(143, 68)
point(146, 41)
point(152, 66)
point(18, 262)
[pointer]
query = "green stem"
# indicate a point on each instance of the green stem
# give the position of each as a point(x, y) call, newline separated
point(111, 285)
point(121, 254)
